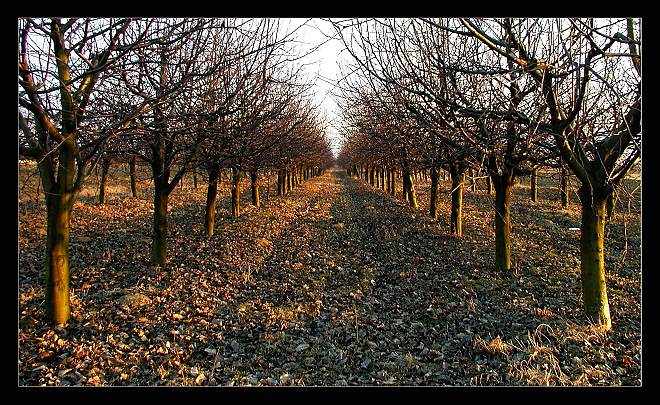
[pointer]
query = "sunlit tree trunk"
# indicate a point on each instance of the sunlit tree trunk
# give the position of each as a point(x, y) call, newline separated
point(59, 192)
point(592, 266)
point(235, 192)
point(59, 203)
point(211, 198)
point(389, 180)
point(610, 206)
point(457, 175)
point(381, 177)
point(58, 306)
point(289, 181)
point(377, 177)
point(393, 186)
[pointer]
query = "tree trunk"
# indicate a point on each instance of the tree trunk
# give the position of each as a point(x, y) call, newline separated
point(280, 182)
point(211, 198)
point(564, 187)
point(503, 187)
point(533, 186)
point(285, 181)
point(254, 180)
point(456, 220)
point(404, 184)
point(159, 242)
point(105, 167)
point(58, 305)
point(287, 174)
point(393, 186)
point(131, 170)
point(592, 265)
point(409, 186)
point(489, 185)
point(610, 206)
point(38, 186)
point(389, 180)
point(235, 192)
point(433, 206)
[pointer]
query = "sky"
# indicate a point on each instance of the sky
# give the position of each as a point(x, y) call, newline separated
point(322, 65)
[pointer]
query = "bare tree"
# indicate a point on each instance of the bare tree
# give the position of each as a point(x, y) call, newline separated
point(61, 64)
point(588, 73)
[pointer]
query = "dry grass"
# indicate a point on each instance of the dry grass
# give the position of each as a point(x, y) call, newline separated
point(539, 365)
point(544, 313)
point(493, 346)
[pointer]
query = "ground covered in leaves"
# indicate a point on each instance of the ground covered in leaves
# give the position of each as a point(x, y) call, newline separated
point(333, 284)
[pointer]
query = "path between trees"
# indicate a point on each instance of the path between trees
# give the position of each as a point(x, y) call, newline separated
point(335, 284)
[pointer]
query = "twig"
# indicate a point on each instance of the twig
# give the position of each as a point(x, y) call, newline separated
point(215, 362)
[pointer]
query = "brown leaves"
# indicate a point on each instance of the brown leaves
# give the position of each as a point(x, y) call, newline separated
point(317, 289)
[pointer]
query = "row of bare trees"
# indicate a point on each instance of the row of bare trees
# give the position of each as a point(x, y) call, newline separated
point(177, 95)
point(503, 97)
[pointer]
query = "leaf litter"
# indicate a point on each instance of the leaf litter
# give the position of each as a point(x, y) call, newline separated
point(334, 284)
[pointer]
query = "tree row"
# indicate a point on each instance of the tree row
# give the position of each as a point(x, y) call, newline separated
point(175, 95)
point(503, 97)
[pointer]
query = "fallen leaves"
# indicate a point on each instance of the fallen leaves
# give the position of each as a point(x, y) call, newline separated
point(334, 284)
